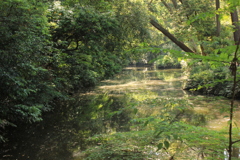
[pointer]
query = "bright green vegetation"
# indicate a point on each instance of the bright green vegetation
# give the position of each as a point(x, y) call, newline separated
point(50, 50)
point(152, 127)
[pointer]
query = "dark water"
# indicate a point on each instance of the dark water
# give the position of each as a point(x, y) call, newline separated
point(64, 132)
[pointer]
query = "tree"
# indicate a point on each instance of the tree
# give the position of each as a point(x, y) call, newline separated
point(199, 27)
point(235, 23)
point(218, 30)
point(26, 86)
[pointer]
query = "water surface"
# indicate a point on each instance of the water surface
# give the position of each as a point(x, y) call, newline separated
point(64, 132)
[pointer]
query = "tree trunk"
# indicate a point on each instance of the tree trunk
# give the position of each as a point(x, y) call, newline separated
point(167, 6)
point(170, 36)
point(175, 4)
point(236, 33)
point(150, 2)
point(218, 19)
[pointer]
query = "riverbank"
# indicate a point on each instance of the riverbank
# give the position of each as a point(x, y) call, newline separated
point(217, 89)
point(205, 80)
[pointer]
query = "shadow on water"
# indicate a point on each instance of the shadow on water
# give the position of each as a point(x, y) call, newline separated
point(66, 128)
point(64, 133)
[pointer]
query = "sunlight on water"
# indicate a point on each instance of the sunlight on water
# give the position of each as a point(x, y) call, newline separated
point(164, 82)
point(168, 83)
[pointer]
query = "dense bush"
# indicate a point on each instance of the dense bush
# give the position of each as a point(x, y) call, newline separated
point(26, 85)
point(207, 79)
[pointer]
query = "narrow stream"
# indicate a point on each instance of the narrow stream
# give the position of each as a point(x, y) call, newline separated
point(69, 132)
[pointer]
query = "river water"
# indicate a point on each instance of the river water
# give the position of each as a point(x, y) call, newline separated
point(120, 118)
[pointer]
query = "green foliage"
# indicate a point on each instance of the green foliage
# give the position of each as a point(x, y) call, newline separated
point(91, 42)
point(128, 145)
point(167, 61)
point(209, 79)
point(27, 89)
point(177, 130)
point(49, 50)
point(171, 128)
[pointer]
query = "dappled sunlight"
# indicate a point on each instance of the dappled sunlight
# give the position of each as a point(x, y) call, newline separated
point(216, 109)
point(222, 122)
point(218, 124)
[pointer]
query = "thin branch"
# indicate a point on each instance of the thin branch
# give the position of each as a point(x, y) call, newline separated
point(236, 141)
point(235, 54)
point(233, 68)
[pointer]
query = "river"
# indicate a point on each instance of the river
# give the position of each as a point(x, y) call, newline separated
point(124, 118)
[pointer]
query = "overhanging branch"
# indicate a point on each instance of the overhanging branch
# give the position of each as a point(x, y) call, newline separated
point(170, 36)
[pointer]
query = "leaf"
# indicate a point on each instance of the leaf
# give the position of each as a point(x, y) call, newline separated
point(236, 124)
point(146, 123)
point(119, 112)
point(166, 144)
point(159, 133)
point(168, 137)
point(135, 110)
point(229, 122)
point(160, 146)
point(175, 137)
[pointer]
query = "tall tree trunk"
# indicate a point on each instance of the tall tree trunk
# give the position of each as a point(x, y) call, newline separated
point(218, 19)
point(170, 36)
point(236, 33)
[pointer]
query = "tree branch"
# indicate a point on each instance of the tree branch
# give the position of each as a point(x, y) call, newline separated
point(236, 141)
point(150, 2)
point(170, 36)
point(167, 6)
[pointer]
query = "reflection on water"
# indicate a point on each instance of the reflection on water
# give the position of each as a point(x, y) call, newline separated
point(65, 133)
